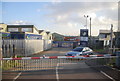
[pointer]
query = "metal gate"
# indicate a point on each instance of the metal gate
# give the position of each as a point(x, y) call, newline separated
point(46, 63)
point(36, 63)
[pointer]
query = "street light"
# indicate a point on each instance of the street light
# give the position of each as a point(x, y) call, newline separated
point(86, 16)
point(90, 33)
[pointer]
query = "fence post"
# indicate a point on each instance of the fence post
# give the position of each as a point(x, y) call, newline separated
point(118, 60)
point(9, 50)
point(13, 50)
point(6, 51)
point(3, 50)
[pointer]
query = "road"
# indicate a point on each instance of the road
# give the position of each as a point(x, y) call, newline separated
point(65, 69)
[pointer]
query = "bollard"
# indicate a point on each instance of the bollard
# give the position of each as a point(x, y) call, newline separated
point(118, 59)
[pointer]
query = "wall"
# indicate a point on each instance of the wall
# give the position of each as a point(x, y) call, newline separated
point(33, 46)
point(4, 26)
point(44, 35)
point(35, 31)
point(24, 47)
point(47, 44)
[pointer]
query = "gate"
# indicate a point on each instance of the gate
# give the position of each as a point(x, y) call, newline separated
point(36, 63)
point(46, 63)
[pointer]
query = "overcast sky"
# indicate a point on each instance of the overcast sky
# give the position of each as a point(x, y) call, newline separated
point(66, 18)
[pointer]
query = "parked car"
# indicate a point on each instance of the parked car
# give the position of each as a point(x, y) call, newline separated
point(78, 51)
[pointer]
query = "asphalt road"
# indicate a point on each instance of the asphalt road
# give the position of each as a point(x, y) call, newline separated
point(58, 70)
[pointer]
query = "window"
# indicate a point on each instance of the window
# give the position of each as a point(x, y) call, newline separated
point(26, 30)
point(78, 49)
point(12, 29)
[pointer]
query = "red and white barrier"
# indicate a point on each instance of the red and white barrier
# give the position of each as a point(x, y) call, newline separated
point(60, 57)
point(97, 55)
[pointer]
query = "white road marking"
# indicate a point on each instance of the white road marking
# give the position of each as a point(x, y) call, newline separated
point(57, 75)
point(107, 76)
point(17, 76)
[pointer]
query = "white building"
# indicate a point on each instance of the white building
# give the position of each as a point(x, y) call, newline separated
point(105, 36)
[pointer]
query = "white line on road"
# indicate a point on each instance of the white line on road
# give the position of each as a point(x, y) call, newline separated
point(57, 76)
point(17, 76)
point(107, 76)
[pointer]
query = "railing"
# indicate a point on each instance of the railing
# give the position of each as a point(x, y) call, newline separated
point(35, 63)
point(42, 63)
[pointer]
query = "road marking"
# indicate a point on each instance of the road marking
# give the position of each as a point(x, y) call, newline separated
point(107, 76)
point(57, 75)
point(17, 76)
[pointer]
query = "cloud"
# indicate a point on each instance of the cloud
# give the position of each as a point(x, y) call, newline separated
point(56, 1)
point(71, 15)
point(38, 10)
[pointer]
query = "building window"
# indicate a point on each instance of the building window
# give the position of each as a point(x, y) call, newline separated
point(26, 29)
point(12, 29)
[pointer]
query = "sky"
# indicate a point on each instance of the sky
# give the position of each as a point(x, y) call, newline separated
point(66, 18)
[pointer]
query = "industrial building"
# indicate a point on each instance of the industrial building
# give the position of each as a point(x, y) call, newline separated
point(24, 40)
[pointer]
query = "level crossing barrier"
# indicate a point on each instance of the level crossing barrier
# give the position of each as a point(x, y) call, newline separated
point(49, 62)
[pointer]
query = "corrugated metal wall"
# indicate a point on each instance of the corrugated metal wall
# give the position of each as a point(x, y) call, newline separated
point(24, 47)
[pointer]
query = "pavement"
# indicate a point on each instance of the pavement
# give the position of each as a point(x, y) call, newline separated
point(58, 70)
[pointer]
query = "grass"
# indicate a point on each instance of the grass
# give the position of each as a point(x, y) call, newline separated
point(99, 50)
point(9, 64)
point(109, 62)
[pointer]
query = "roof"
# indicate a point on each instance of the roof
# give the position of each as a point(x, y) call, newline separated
point(23, 26)
point(20, 25)
point(40, 31)
point(47, 32)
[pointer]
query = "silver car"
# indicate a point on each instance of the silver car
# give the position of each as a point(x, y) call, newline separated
point(78, 51)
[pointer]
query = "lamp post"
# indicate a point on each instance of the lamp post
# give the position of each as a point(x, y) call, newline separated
point(90, 32)
point(111, 37)
point(86, 16)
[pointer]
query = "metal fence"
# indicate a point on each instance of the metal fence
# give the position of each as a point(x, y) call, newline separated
point(24, 47)
point(27, 64)
point(102, 61)
point(45, 63)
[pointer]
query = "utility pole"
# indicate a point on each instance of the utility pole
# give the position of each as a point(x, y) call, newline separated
point(111, 37)
point(90, 32)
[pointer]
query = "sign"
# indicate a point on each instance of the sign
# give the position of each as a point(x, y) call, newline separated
point(83, 32)
point(71, 38)
point(84, 37)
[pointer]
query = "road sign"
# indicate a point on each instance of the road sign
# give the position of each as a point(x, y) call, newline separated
point(84, 37)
